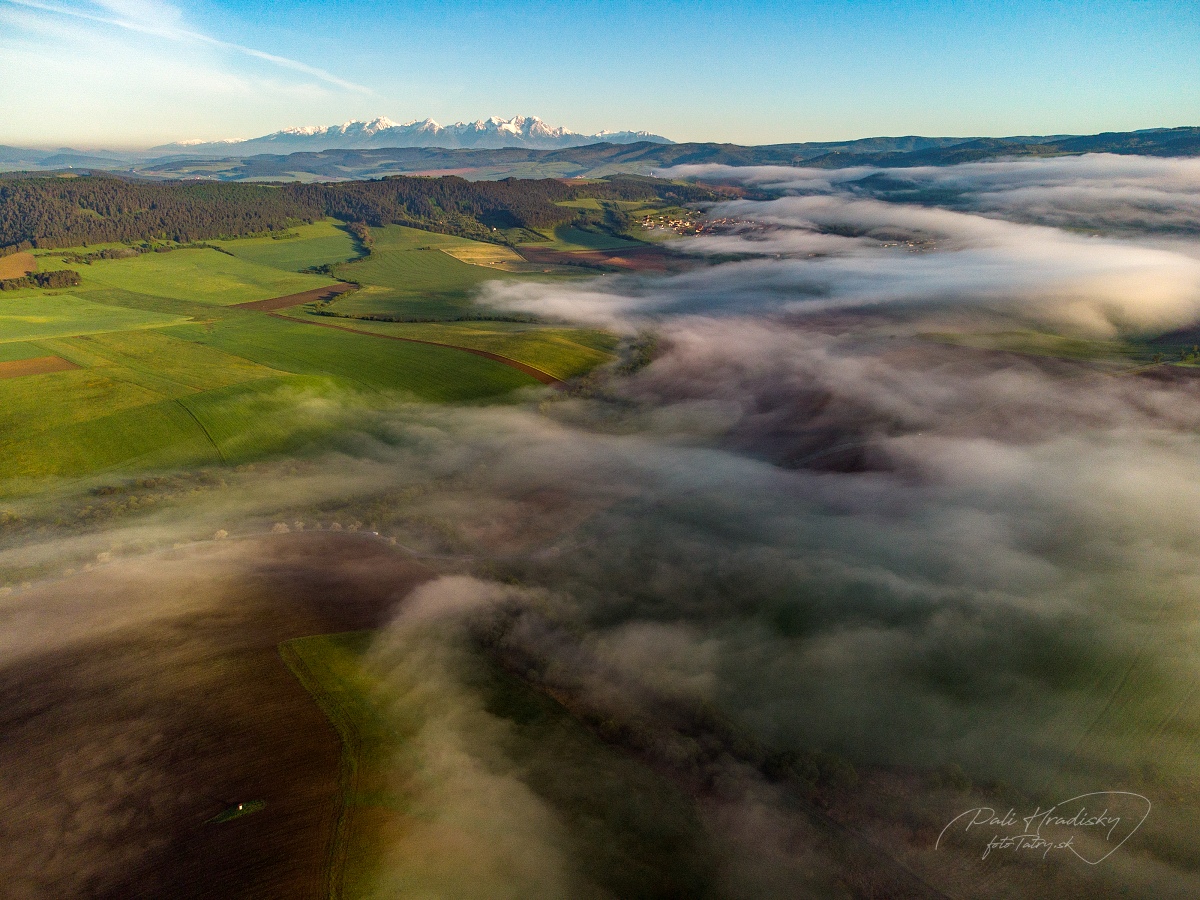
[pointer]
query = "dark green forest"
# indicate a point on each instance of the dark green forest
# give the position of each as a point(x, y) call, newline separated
point(50, 212)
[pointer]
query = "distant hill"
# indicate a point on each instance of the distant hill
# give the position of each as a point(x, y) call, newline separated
point(1153, 142)
point(644, 157)
point(15, 157)
point(596, 159)
point(593, 160)
point(494, 133)
point(65, 158)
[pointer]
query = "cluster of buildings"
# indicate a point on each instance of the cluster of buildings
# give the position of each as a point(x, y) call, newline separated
point(693, 224)
point(917, 246)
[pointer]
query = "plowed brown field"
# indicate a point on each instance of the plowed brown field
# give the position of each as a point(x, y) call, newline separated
point(291, 300)
point(17, 265)
point(39, 365)
point(120, 745)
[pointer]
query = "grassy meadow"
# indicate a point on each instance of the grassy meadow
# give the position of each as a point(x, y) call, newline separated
point(319, 244)
point(201, 276)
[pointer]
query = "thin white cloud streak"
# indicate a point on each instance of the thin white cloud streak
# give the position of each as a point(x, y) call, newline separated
point(1097, 190)
point(169, 31)
point(982, 177)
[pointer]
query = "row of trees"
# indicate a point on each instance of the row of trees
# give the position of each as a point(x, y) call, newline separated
point(60, 279)
point(48, 212)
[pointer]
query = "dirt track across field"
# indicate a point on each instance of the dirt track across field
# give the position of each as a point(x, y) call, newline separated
point(39, 365)
point(543, 377)
point(325, 293)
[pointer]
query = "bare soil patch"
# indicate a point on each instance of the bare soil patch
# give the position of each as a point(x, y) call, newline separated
point(273, 303)
point(17, 265)
point(39, 365)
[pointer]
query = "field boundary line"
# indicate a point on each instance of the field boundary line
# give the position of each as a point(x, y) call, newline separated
point(347, 780)
point(200, 425)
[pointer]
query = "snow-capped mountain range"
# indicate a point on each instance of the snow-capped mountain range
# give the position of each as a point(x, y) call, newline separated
point(519, 131)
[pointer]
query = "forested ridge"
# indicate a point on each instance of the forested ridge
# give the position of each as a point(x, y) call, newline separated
point(49, 212)
point(66, 212)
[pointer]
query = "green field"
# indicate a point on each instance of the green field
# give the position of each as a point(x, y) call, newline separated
point(27, 316)
point(166, 363)
point(595, 204)
point(561, 352)
point(319, 244)
point(213, 400)
point(568, 239)
point(245, 421)
point(11, 351)
point(414, 371)
point(44, 403)
point(172, 375)
point(412, 273)
point(585, 203)
point(126, 407)
point(202, 276)
point(75, 422)
point(408, 274)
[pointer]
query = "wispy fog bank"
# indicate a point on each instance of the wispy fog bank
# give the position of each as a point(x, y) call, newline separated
point(814, 511)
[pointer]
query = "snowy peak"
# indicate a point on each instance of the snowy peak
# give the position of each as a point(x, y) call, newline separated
point(383, 123)
point(375, 126)
point(302, 131)
point(492, 133)
point(520, 126)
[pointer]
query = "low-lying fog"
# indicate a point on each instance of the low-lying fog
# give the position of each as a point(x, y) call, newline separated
point(810, 511)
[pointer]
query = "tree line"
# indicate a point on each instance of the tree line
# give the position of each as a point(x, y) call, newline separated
point(50, 212)
point(61, 279)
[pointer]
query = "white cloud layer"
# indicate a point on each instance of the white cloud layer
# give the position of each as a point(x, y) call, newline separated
point(832, 248)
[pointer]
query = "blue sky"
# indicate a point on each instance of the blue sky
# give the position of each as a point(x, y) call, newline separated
point(136, 72)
